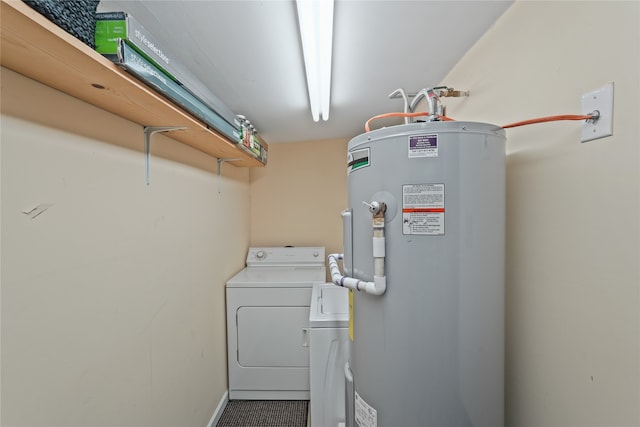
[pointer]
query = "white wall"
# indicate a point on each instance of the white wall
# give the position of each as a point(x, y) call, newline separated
point(112, 298)
point(573, 235)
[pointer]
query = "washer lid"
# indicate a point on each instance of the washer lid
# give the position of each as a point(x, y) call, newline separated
point(278, 277)
point(329, 306)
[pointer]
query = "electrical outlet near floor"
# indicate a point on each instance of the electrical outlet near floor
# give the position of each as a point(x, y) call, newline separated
point(600, 100)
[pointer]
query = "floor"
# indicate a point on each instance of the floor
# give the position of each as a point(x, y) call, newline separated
point(265, 413)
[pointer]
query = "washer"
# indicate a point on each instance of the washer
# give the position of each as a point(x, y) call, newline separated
point(268, 306)
point(328, 344)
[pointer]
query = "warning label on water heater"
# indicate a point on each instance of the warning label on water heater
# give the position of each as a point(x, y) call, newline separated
point(423, 146)
point(365, 414)
point(423, 209)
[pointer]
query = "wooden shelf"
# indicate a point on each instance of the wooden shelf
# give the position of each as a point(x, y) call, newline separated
point(37, 48)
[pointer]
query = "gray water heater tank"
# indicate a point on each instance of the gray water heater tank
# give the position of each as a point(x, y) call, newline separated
point(430, 350)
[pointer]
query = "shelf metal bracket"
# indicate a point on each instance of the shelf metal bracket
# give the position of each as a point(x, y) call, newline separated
point(220, 162)
point(148, 131)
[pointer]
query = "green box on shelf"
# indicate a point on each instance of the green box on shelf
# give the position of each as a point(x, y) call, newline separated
point(136, 64)
point(112, 26)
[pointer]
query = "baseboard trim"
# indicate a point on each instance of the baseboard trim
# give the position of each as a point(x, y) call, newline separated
point(218, 412)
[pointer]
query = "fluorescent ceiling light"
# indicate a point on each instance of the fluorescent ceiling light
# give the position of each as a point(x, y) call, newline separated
point(315, 18)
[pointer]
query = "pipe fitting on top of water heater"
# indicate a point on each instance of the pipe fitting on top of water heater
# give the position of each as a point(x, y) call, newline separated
point(432, 96)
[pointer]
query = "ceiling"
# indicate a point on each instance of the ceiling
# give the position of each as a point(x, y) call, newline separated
point(248, 53)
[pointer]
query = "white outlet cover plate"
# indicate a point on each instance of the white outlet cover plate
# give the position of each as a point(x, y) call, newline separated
point(601, 100)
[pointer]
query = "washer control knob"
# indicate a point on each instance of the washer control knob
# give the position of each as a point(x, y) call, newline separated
point(260, 255)
point(316, 254)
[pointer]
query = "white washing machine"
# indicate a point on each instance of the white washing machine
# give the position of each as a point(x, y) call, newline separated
point(328, 345)
point(268, 306)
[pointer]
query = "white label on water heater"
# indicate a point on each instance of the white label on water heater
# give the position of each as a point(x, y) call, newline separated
point(423, 145)
point(423, 209)
point(366, 416)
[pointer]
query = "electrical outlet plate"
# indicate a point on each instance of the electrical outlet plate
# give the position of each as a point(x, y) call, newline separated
point(602, 101)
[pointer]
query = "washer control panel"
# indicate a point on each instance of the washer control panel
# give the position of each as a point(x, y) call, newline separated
point(286, 256)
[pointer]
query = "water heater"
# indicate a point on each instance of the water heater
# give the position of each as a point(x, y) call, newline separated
point(427, 301)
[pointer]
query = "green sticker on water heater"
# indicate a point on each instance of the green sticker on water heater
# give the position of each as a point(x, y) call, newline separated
point(358, 159)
